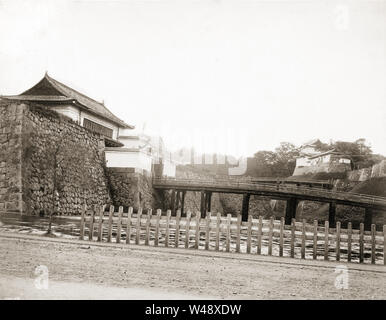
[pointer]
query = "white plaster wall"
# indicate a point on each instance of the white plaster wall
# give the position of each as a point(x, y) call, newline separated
point(327, 158)
point(130, 142)
point(124, 158)
point(344, 160)
point(75, 114)
point(302, 162)
point(69, 111)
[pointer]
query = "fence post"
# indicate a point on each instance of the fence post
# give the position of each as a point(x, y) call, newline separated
point(228, 237)
point(177, 236)
point(148, 221)
point(338, 241)
point(349, 240)
point(128, 225)
point(138, 226)
point(187, 228)
point(326, 232)
point(82, 220)
point(281, 239)
point(361, 242)
point(293, 235)
point(270, 236)
point(207, 232)
point(259, 234)
point(198, 217)
point(119, 224)
point(303, 250)
point(100, 226)
point(315, 247)
point(110, 226)
point(238, 231)
point(373, 243)
point(156, 236)
point(218, 231)
point(91, 231)
point(249, 234)
point(384, 244)
point(168, 214)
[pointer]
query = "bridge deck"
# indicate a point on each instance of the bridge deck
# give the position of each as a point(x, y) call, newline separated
point(274, 190)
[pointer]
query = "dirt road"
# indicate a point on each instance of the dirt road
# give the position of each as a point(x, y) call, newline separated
point(90, 270)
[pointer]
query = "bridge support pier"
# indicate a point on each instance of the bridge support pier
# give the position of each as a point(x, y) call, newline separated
point(183, 193)
point(331, 214)
point(368, 219)
point(203, 202)
point(206, 203)
point(173, 201)
point(208, 198)
point(245, 207)
point(177, 202)
point(290, 210)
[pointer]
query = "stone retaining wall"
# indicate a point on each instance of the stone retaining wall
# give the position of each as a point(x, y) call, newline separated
point(34, 138)
point(11, 121)
point(131, 188)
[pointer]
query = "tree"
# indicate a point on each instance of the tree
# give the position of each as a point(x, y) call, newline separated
point(279, 163)
point(322, 147)
point(286, 158)
point(359, 152)
point(264, 163)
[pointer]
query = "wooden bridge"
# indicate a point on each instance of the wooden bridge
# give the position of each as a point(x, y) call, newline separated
point(281, 189)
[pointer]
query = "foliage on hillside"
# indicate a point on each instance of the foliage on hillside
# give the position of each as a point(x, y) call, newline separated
point(278, 163)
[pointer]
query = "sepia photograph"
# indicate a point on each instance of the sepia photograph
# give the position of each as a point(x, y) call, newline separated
point(193, 155)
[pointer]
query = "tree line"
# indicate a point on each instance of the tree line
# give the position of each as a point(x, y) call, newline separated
point(281, 162)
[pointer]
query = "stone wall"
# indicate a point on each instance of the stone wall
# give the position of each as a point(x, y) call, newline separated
point(11, 121)
point(45, 140)
point(379, 169)
point(359, 175)
point(131, 188)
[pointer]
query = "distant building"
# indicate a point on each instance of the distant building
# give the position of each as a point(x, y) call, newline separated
point(311, 160)
point(144, 152)
point(310, 148)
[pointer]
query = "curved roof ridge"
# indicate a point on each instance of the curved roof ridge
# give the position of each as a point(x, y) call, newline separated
point(54, 82)
point(61, 87)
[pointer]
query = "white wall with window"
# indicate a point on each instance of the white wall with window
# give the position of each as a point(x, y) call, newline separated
point(79, 116)
point(344, 160)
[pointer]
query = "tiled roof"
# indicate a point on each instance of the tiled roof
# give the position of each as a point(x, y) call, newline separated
point(49, 89)
point(310, 142)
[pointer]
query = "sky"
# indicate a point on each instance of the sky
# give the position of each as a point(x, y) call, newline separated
point(222, 76)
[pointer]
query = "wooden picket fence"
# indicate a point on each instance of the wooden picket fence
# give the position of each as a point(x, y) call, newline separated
point(230, 234)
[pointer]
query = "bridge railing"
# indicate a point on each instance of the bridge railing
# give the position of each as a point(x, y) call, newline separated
point(237, 184)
